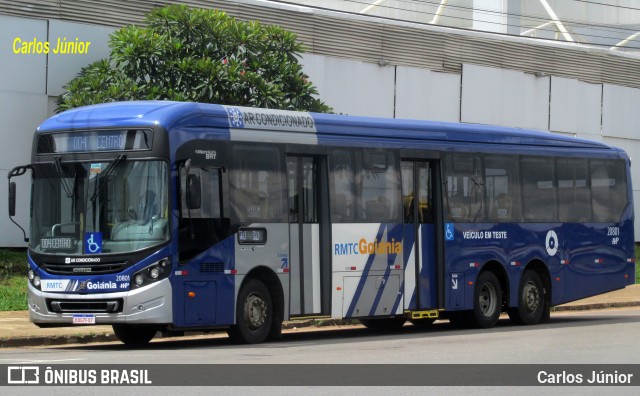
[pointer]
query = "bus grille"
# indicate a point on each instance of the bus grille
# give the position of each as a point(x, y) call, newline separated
point(212, 267)
point(85, 269)
point(104, 306)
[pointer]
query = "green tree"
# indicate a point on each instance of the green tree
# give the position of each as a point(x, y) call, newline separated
point(198, 55)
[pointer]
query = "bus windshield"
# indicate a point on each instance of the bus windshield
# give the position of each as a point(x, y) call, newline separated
point(99, 207)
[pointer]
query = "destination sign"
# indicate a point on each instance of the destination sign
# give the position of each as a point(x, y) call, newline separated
point(56, 244)
point(101, 140)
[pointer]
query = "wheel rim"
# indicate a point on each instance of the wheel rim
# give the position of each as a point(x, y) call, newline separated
point(255, 311)
point(488, 299)
point(531, 297)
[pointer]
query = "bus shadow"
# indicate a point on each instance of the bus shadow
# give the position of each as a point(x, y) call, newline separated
point(356, 333)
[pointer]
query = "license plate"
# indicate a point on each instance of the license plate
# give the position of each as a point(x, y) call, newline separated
point(84, 319)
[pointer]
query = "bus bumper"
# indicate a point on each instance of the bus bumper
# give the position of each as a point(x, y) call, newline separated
point(148, 305)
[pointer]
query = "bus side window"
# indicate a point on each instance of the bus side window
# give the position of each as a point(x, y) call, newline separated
point(574, 201)
point(464, 188)
point(342, 186)
point(257, 185)
point(608, 190)
point(539, 189)
point(380, 187)
point(502, 188)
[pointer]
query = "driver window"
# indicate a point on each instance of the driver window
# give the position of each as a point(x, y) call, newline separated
point(203, 226)
point(210, 206)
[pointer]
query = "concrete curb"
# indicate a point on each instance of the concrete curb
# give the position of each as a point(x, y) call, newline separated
point(56, 340)
point(587, 307)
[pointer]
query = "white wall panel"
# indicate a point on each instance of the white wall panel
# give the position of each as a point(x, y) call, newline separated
point(63, 67)
point(22, 72)
point(620, 111)
point(52, 105)
point(490, 16)
point(575, 106)
point(504, 97)
point(352, 87)
point(20, 114)
point(426, 95)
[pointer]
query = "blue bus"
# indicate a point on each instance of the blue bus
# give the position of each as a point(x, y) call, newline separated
point(163, 216)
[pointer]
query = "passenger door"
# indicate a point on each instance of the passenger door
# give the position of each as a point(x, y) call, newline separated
point(418, 201)
point(309, 276)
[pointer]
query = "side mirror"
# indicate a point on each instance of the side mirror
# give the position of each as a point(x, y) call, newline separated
point(194, 191)
point(12, 199)
point(17, 171)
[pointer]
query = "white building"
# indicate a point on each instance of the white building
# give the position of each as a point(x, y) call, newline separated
point(564, 66)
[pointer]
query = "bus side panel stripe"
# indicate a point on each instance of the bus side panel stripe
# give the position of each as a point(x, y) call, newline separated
point(391, 258)
point(365, 274)
point(409, 283)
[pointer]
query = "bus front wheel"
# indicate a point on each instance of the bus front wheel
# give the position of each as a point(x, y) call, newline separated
point(531, 300)
point(134, 335)
point(254, 314)
point(487, 300)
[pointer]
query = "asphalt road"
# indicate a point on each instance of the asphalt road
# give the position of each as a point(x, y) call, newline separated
point(599, 336)
point(586, 337)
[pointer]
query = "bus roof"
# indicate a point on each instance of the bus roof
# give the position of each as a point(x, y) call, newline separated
point(170, 115)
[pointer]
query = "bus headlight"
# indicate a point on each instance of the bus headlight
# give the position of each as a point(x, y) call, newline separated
point(153, 273)
point(33, 278)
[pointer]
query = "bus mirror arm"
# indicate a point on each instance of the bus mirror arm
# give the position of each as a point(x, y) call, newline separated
point(17, 171)
point(187, 169)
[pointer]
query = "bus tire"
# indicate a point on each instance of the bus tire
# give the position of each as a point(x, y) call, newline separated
point(134, 335)
point(254, 314)
point(383, 324)
point(531, 300)
point(487, 300)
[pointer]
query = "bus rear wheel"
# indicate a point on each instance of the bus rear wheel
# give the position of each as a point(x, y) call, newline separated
point(531, 300)
point(254, 314)
point(487, 300)
point(134, 335)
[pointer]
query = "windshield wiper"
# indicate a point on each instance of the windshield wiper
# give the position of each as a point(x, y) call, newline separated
point(108, 172)
point(68, 190)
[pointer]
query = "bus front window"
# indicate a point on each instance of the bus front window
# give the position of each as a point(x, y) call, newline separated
point(99, 207)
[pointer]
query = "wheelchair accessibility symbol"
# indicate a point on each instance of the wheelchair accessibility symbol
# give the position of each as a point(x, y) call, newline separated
point(449, 232)
point(93, 243)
